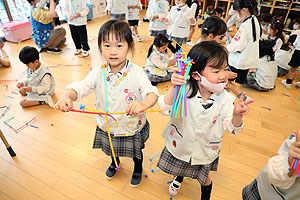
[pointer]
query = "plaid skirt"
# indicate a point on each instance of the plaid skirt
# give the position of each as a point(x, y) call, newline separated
point(178, 40)
point(155, 33)
point(124, 146)
point(118, 16)
point(171, 165)
point(159, 79)
point(250, 192)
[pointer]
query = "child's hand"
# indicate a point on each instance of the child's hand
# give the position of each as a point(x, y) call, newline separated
point(177, 79)
point(231, 75)
point(71, 18)
point(64, 104)
point(135, 108)
point(241, 108)
point(27, 89)
point(295, 148)
point(19, 85)
point(172, 62)
point(77, 15)
point(192, 20)
point(164, 19)
point(155, 17)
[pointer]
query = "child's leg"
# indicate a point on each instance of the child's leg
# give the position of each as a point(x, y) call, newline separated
point(178, 47)
point(22, 92)
point(231, 87)
point(135, 30)
point(75, 36)
point(192, 30)
point(25, 104)
point(81, 30)
point(138, 164)
point(137, 172)
point(206, 189)
point(171, 47)
point(4, 63)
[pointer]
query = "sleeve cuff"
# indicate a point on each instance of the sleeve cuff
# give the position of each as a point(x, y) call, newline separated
point(166, 109)
point(235, 130)
point(149, 90)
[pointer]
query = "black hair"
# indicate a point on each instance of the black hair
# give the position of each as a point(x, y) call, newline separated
point(204, 53)
point(279, 27)
point(29, 1)
point(297, 21)
point(266, 49)
point(218, 10)
point(29, 54)
point(213, 25)
point(266, 17)
point(291, 40)
point(252, 7)
point(119, 29)
point(159, 41)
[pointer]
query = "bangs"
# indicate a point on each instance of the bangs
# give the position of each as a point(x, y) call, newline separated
point(118, 30)
point(218, 61)
point(117, 35)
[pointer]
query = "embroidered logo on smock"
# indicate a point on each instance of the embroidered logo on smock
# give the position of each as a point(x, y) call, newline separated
point(130, 97)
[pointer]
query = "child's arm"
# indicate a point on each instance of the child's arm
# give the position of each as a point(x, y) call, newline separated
point(65, 7)
point(44, 87)
point(278, 45)
point(278, 165)
point(78, 90)
point(65, 102)
point(240, 109)
point(149, 94)
point(158, 63)
point(239, 41)
point(84, 11)
point(108, 7)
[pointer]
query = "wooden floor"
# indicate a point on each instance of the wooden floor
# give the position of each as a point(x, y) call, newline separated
point(57, 161)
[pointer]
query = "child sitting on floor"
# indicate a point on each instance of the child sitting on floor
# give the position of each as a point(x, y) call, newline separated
point(38, 87)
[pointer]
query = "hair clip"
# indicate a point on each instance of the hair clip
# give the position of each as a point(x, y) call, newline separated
point(205, 28)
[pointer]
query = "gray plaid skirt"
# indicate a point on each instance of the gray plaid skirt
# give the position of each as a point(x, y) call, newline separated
point(155, 33)
point(250, 192)
point(178, 40)
point(118, 16)
point(159, 79)
point(171, 165)
point(124, 146)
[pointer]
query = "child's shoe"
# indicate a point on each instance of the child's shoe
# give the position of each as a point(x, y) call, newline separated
point(49, 101)
point(77, 51)
point(288, 86)
point(133, 35)
point(110, 172)
point(136, 178)
point(139, 38)
point(174, 187)
point(55, 50)
point(190, 43)
point(297, 84)
point(85, 53)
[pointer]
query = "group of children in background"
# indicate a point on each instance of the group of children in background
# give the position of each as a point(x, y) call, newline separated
point(188, 152)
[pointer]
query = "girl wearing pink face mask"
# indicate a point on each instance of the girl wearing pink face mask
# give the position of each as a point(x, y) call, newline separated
point(193, 143)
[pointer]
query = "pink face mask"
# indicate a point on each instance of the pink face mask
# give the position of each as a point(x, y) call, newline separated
point(212, 87)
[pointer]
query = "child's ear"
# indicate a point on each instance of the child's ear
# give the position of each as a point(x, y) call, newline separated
point(210, 36)
point(196, 76)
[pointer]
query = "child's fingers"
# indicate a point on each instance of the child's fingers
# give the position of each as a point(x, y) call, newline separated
point(175, 69)
point(242, 97)
point(249, 101)
point(297, 135)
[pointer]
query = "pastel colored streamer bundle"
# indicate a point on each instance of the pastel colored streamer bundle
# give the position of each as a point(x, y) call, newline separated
point(179, 109)
point(295, 164)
